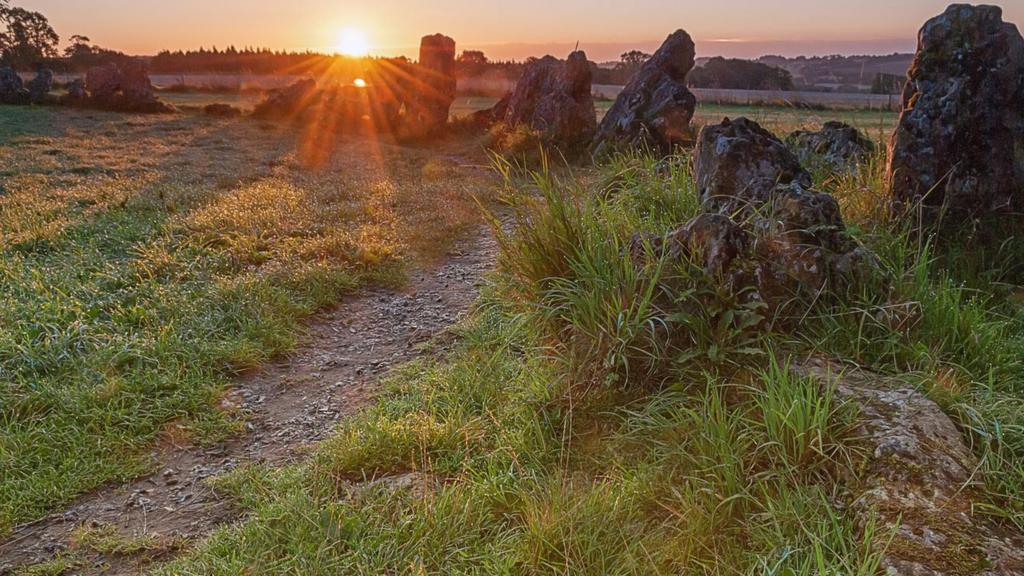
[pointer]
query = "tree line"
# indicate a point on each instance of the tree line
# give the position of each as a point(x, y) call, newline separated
point(27, 40)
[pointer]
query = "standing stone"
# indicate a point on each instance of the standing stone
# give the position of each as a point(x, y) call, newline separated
point(838, 146)
point(287, 102)
point(429, 103)
point(40, 86)
point(960, 138)
point(123, 86)
point(77, 94)
point(763, 231)
point(12, 90)
point(654, 110)
point(738, 164)
point(554, 98)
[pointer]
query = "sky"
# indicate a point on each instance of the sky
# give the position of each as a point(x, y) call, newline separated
point(505, 29)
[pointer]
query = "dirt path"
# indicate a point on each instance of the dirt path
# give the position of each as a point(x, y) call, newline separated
point(293, 403)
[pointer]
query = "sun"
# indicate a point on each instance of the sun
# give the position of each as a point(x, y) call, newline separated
point(352, 42)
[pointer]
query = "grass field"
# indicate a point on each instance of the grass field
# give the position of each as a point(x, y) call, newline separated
point(146, 259)
point(568, 435)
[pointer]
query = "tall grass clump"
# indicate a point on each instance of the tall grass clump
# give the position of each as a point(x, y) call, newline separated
point(581, 255)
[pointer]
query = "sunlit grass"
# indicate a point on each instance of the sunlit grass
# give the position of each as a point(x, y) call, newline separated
point(145, 260)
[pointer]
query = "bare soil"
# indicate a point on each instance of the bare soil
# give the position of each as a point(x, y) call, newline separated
point(291, 404)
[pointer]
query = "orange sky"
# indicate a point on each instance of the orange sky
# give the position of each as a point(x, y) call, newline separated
point(604, 28)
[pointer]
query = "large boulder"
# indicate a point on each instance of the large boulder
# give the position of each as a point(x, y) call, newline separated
point(959, 143)
point(837, 146)
point(554, 98)
point(763, 231)
point(40, 86)
point(287, 102)
point(77, 93)
point(490, 116)
point(655, 108)
point(428, 103)
point(123, 86)
point(12, 89)
point(220, 110)
point(739, 164)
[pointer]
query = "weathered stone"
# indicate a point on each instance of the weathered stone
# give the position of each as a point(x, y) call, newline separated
point(428, 103)
point(12, 89)
point(764, 231)
point(218, 110)
point(363, 108)
point(493, 115)
point(40, 86)
point(287, 102)
point(712, 240)
point(838, 146)
point(76, 92)
point(959, 143)
point(918, 483)
point(655, 108)
point(123, 86)
point(715, 240)
point(738, 165)
point(554, 97)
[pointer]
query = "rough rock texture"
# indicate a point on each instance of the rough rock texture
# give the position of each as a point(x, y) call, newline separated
point(764, 232)
point(12, 90)
point(839, 146)
point(714, 240)
point(960, 137)
point(655, 108)
point(919, 479)
point(76, 91)
point(286, 102)
point(494, 114)
point(335, 109)
point(40, 86)
point(554, 97)
point(222, 111)
point(738, 165)
point(124, 87)
point(429, 102)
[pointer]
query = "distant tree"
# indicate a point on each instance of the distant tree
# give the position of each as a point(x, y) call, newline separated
point(77, 44)
point(27, 37)
point(473, 57)
point(471, 63)
point(736, 74)
point(634, 58)
point(630, 62)
point(80, 55)
point(887, 83)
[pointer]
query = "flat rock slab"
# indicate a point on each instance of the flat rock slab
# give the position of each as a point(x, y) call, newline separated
point(919, 481)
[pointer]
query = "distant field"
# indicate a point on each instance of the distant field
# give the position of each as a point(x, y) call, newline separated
point(876, 123)
point(243, 100)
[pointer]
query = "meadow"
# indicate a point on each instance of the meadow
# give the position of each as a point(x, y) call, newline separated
point(567, 434)
point(145, 261)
